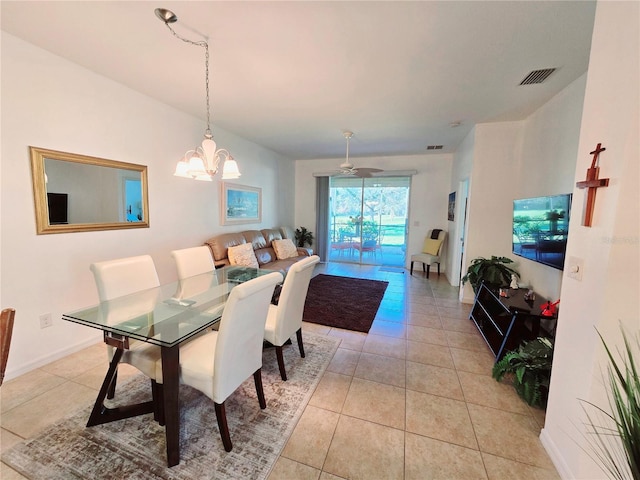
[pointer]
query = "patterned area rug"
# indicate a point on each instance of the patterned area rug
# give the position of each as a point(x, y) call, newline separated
point(135, 447)
point(343, 302)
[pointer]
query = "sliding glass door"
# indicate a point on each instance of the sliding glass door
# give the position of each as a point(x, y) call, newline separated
point(368, 220)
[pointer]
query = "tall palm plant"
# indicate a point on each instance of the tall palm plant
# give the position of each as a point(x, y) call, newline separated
point(616, 441)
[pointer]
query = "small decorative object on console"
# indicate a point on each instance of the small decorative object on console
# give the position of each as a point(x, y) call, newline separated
point(514, 282)
point(549, 309)
point(530, 296)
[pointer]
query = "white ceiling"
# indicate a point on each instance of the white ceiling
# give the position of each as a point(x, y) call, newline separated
point(293, 75)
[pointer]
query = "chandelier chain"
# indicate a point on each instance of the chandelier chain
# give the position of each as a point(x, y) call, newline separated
point(204, 44)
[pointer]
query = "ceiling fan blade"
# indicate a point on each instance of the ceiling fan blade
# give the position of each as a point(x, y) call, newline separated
point(366, 172)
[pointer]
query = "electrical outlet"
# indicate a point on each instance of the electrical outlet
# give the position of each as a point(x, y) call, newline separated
point(46, 320)
point(574, 267)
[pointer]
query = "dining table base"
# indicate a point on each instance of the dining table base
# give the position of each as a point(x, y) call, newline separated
point(102, 414)
point(165, 404)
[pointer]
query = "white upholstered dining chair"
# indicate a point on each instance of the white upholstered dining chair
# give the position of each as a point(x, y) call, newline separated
point(193, 261)
point(123, 276)
point(285, 318)
point(219, 362)
point(192, 265)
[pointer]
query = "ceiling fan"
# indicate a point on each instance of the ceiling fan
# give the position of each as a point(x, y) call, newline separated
point(347, 168)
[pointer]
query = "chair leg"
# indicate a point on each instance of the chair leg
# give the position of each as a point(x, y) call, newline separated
point(424, 270)
point(283, 372)
point(257, 379)
point(438, 268)
point(221, 416)
point(428, 268)
point(411, 271)
point(300, 344)
point(112, 387)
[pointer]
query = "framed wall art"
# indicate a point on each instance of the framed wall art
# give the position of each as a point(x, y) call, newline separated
point(452, 206)
point(240, 204)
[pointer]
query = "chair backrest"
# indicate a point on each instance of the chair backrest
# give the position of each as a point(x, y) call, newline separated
point(239, 345)
point(6, 329)
point(292, 297)
point(193, 261)
point(115, 278)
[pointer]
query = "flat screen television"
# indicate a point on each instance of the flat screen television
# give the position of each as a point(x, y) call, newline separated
point(540, 229)
point(57, 203)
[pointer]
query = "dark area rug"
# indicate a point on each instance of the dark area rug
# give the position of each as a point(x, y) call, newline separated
point(343, 302)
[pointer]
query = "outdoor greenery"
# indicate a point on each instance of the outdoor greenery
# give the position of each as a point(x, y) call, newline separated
point(615, 441)
point(530, 368)
point(377, 213)
point(494, 272)
point(303, 237)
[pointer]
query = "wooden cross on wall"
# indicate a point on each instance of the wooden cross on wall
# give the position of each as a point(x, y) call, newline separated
point(592, 183)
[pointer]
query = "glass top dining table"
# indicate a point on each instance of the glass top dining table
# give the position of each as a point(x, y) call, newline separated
point(165, 316)
point(169, 314)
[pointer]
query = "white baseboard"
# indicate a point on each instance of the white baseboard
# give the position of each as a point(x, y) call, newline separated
point(51, 357)
point(555, 455)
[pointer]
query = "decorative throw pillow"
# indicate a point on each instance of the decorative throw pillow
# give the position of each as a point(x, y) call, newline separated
point(431, 246)
point(284, 248)
point(243, 255)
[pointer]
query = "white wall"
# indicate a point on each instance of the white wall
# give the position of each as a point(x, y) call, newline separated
point(511, 160)
point(51, 103)
point(547, 166)
point(429, 191)
point(460, 171)
point(607, 296)
point(491, 192)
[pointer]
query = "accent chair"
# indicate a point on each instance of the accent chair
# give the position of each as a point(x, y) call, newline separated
point(431, 250)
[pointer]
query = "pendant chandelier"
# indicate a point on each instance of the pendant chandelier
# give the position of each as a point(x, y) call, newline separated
point(202, 162)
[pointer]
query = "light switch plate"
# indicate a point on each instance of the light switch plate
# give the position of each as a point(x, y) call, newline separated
point(575, 267)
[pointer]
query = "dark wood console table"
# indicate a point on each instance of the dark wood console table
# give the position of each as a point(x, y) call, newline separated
point(504, 322)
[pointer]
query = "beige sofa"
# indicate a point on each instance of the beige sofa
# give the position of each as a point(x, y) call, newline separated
point(261, 241)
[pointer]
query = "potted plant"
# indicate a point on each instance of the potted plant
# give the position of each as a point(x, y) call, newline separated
point(493, 271)
point(530, 369)
point(303, 237)
point(615, 438)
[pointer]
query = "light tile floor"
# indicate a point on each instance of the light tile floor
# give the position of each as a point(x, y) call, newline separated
point(413, 399)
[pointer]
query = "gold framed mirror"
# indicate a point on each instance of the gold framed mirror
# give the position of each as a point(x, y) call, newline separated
point(78, 193)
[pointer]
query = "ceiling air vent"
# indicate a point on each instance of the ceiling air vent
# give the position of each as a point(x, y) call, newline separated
point(537, 76)
point(434, 147)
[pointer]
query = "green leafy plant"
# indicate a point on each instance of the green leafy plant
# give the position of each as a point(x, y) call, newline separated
point(494, 272)
point(303, 237)
point(615, 441)
point(530, 368)
point(369, 230)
